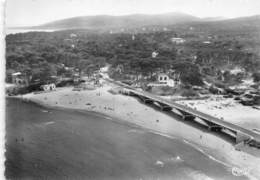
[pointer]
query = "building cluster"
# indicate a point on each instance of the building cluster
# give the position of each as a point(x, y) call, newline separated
point(20, 79)
point(169, 78)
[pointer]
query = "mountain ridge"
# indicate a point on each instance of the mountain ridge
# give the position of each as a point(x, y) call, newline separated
point(125, 21)
point(132, 21)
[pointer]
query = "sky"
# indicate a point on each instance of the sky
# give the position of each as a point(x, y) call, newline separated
point(36, 12)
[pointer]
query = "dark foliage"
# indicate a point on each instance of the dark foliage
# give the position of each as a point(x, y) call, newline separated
point(41, 54)
point(256, 76)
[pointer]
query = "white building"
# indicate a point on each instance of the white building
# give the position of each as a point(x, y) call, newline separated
point(164, 79)
point(19, 79)
point(133, 37)
point(178, 40)
point(120, 68)
point(72, 35)
point(165, 29)
point(49, 87)
point(206, 42)
point(154, 54)
point(237, 70)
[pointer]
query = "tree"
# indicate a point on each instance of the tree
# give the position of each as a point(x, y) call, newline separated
point(44, 72)
point(189, 73)
point(256, 76)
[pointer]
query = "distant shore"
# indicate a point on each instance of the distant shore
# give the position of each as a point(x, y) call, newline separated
point(130, 110)
point(25, 30)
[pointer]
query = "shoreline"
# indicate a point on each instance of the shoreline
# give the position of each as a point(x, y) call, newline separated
point(211, 145)
point(127, 123)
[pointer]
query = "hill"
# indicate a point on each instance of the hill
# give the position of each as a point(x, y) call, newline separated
point(235, 23)
point(135, 23)
point(106, 22)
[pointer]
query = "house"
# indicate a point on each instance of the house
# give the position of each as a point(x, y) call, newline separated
point(154, 54)
point(76, 77)
point(19, 79)
point(68, 71)
point(206, 42)
point(176, 78)
point(237, 70)
point(68, 40)
point(178, 40)
point(119, 68)
point(72, 35)
point(165, 29)
point(164, 80)
point(69, 68)
point(133, 37)
point(104, 69)
point(131, 76)
point(48, 87)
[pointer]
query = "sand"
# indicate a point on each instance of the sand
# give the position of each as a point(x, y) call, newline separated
point(45, 143)
point(227, 109)
point(130, 110)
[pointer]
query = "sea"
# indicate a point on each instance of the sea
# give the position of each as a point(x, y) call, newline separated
point(45, 143)
point(17, 30)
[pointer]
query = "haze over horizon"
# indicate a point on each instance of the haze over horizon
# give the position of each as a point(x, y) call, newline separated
point(37, 12)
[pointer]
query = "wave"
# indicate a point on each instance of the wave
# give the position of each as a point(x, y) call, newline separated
point(45, 111)
point(48, 123)
point(162, 134)
point(109, 118)
point(196, 175)
point(195, 147)
point(135, 131)
point(206, 154)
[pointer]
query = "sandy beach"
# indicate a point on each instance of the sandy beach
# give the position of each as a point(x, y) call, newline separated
point(227, 109)
point(48, 143)
point(131, 110)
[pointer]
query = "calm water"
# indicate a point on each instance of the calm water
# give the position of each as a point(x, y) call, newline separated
point(57, 144)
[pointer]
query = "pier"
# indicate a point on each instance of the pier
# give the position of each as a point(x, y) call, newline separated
point(241, 135)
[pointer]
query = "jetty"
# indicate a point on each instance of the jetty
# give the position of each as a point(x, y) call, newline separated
point(242, 135)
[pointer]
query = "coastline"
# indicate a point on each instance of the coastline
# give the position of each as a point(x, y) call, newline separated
point(129, 111)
